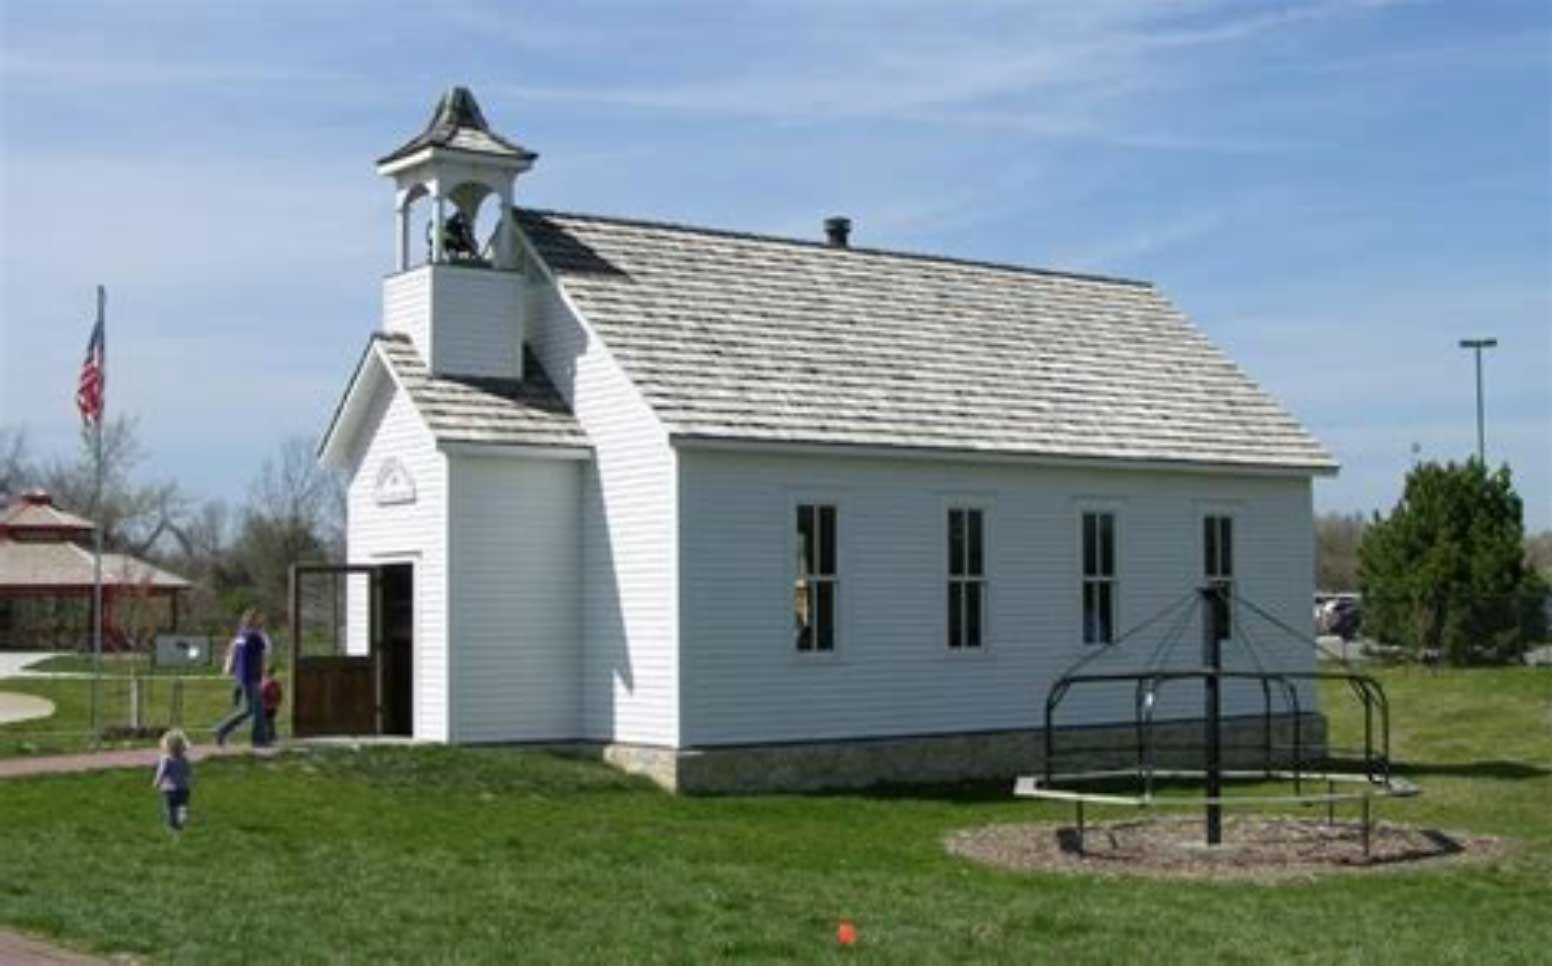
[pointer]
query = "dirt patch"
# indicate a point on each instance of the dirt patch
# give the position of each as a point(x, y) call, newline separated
point(1255, 848)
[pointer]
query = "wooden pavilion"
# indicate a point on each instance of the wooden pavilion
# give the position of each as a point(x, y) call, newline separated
point(42, 556)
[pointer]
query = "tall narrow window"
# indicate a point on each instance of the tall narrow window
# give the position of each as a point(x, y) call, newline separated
point(1099, 578)
point(966, 579)
point(816, 591)
point(1218, 570)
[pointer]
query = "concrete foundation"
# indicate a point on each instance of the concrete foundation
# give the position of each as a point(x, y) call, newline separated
point(928, 759)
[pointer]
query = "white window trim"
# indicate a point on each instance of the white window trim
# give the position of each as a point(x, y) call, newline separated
point(1118, 580)
point(817, 497)
point(987, 505)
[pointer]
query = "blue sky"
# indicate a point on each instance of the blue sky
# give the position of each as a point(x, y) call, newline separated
point(1335, 191)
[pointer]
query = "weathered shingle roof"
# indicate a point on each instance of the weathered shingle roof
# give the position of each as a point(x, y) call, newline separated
point(748, 337)
point(480, 410)
point(62, 565)
point(459, 123)
point(34, 511)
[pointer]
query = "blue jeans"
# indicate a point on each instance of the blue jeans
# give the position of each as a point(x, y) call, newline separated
point(251, 708)
point(175, 805)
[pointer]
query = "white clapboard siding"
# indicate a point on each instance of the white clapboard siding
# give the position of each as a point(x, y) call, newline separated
point(463, 321)
point(513, 558)
point(892, 674)
point(630, 660)
point(414, 533)
point(407, 307)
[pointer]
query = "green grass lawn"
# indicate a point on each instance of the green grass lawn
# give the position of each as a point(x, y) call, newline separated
point(205, 701)
point(438, 855)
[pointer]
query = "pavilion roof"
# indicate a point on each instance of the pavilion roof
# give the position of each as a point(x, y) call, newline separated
point(60, 567)
point(34, 512)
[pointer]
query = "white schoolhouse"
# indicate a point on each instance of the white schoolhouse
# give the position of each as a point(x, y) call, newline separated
point(743, 511)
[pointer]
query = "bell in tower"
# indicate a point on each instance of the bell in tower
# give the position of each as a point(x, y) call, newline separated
point(456, 162)
point(462, 306)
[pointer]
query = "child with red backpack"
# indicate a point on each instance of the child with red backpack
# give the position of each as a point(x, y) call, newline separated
point(270, 695)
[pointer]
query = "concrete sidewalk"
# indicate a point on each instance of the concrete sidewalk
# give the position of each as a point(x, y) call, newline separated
point(104, 760)
point(16, 664)
point(12, 663)
point(23, 707)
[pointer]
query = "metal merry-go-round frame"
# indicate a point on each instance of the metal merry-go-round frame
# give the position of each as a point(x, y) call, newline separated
point(1371, 778)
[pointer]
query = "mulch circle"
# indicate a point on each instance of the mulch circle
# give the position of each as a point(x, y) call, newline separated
point(1255, 848)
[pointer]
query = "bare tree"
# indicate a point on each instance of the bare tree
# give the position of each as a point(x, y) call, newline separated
point(134, 516)
point(294, 513)
point(1538, 553)
point(16, 471)
point(1337, 536)
point(205, 535)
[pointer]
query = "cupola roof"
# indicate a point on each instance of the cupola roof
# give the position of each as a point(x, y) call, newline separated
point(458, 124)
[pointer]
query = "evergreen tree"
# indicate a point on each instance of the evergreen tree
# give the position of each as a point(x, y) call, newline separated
point(1445, 572)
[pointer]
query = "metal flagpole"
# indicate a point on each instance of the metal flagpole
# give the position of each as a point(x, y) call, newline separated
point(102, 300)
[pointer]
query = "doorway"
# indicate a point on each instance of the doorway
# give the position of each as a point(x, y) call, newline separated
point(352, 649)
point(397, 658)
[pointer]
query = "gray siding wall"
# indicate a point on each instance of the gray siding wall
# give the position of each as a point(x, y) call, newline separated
point(516, 615)
point(629, 622)
point(414, 533)
point(892, 674)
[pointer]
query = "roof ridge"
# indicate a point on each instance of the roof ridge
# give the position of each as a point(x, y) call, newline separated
point(863, 250)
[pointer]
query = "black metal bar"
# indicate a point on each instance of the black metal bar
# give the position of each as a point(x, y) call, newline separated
point(1051, 698)
point(1330, 802)
point(1151, 703)
point(1266, 723)
point(1368, 733)
point(1384, 706)
point(1298, 726)
point(1082, 846)
point(1366, 826)
point(1211, 684)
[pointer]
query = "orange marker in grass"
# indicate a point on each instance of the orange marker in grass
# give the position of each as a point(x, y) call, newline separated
point(846, 932)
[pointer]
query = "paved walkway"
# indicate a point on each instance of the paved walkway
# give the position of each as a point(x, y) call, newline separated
point(102, 760)
point(19, 950)
point(16, 664)
point(23, 707)
point(12, 662)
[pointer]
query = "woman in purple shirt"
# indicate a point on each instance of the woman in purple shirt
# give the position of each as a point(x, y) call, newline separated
point(247, 668)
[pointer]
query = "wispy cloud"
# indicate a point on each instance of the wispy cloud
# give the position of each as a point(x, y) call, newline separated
point(1049, 72)
point(1145, 239)
point(66, 67)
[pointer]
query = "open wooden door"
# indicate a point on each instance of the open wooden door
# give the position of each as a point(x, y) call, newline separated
point(334, 691)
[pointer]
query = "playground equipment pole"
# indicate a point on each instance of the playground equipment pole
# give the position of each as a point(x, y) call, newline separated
point(1212, 657)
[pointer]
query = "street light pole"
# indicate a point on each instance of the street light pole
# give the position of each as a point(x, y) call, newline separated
point(1478, 345)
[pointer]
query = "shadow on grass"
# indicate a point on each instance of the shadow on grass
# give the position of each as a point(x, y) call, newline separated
point(995, 790)
point(1495, 769)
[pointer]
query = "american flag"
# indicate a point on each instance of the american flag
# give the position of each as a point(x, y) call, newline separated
point(94, 377)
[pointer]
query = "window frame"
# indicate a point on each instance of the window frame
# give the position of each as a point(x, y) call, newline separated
point(1115, 579)
point(836, 578)
point(947, 578)
point(1229, 513)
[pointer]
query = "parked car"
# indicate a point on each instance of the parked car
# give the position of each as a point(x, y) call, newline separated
point(1341, 615)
